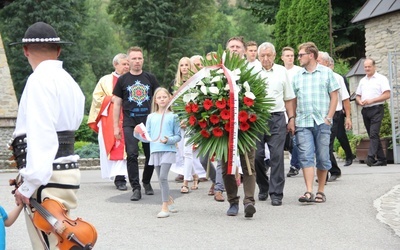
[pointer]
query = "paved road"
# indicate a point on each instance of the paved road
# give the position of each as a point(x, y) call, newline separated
point(359, 207)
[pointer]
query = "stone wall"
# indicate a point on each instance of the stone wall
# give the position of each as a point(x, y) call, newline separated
point(382, 36)
point(8, 104)
point(356, 117)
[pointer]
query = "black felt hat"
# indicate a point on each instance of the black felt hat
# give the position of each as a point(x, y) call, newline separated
point(40, 32)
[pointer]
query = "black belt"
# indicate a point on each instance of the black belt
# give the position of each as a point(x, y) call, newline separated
point(277, 113)
point(65, 166)
point(375, 106)
point(66, 141)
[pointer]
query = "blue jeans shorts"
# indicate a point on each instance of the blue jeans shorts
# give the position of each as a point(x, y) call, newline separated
point(314, 141)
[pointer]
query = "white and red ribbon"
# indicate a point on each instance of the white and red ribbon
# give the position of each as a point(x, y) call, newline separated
point(234, 110)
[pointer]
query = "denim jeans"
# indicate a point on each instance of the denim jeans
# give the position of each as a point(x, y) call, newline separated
point(314, 141)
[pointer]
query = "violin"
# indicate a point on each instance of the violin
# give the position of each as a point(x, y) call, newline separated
point(50, 216)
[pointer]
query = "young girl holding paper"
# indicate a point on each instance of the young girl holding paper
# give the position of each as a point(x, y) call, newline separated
point(164, 132)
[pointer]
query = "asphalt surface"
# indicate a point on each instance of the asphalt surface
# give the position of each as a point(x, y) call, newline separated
point(362, 212)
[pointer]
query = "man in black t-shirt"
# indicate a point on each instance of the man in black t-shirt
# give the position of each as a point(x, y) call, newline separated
point(133, 92)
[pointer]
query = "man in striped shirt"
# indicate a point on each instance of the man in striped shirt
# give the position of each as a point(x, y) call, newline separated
point(316, 93)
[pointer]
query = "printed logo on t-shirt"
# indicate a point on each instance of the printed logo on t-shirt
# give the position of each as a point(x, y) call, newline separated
point(138, 93)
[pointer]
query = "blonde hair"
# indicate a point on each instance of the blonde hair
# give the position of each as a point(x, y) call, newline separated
point(179, 77)
point(154, 105)
point(309, 47)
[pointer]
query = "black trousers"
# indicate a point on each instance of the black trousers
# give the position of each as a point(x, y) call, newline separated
point(372, 117)
point(132, 152)
point(276, 142)
point(342, 136)
point(335, 170)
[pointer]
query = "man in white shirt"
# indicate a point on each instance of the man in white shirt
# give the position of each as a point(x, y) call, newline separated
point(343, 101)
point(251, 56)
point(280, 89)
point(50, 111)
point(372, 92)
point(288, 61)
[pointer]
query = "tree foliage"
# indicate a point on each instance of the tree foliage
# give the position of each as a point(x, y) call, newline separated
point(264, 10)
point(280, 29)
point(349, 38)
point(313, 23)
point(160, 28)
point(247, 26)
point(293, 19)
point(19, 15)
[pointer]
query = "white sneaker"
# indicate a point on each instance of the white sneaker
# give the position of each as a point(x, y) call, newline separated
point(162, 214)
point(172, 209)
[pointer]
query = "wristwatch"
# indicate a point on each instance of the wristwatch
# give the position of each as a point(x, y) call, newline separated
point(329, 119)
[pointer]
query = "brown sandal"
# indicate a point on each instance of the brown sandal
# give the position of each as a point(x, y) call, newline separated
point(320, 197)
point(184, 189)
point(195, 182)
point(307, 197)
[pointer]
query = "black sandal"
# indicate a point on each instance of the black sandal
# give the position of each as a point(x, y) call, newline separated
point(321, 198)
point(305, 198)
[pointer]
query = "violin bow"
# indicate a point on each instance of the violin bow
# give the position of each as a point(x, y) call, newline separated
point(39, 232)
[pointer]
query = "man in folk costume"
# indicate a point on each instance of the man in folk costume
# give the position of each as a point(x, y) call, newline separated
point(50, 111)
point(112, 152)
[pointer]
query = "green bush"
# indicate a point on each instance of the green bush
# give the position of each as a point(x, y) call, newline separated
point(80, 144)
point(340, 153)
point(89, 150)
point(386, 127)
point(84, 133)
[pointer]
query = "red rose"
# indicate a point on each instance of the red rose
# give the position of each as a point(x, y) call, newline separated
point(214, 119)
point(203, 123)
point(221, 104)
point(244, 126)
point(253, 118)
point(205, 133)
point(227, 127)
point(243, 116)
point(248, 102)
point(194, 107)
point(207, 104)
point(217, 132)
point(188, 108)
point(192, 120)
point(225, 114)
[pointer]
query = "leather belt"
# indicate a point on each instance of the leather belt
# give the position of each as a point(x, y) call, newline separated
point(66, 141)
point(65, 166)
point(375, 106)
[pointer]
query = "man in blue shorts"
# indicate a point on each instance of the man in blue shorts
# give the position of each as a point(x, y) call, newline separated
point(316, 93)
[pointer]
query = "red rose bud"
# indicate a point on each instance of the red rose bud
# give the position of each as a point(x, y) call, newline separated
point(253, 118)
point(192, 120)
point(244, 126)
point(227, 127)
point(243, 116)
point(205, 133)
point(203, 123)
point(188, 108)
point(217, 132)
point(207, 104)
point(194, 107)
point(221, 104)
point(248, 102)
point(214, 119)
point(224, 114)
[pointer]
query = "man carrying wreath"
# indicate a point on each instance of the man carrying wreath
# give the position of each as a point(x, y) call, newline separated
point(237, 45)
